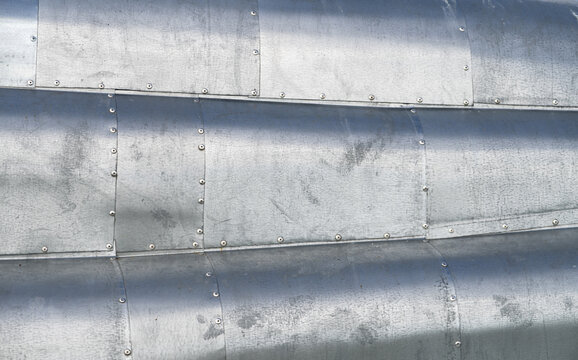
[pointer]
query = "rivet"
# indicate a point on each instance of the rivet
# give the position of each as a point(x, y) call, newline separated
point(122, 300)
point(386, 236)
point(201, 201)
point(127, 352)
point(112, 130)
point(202, 181)
point(253, 12)
point(451, 230)
point(33, 38)
point(113, 150)
point(282, 95)
point(466, 68)
point(458, 343)
point(215, 294)
point(112, 110)
point(152, 246)
point(110, 95)
point(555, 102)
point(555, 222)
point(425, 226)
point(280, 239)
point(444, 264)
point(195, 244)
point(425, 189)
point(422, 142)
point(109, 246)
point(113, 173)
point(453, 298)
point(223, 243)
point(254, 92)
point(322, 96)
point(208, 274)
point(462, 28)
point(149, 86)
point(101, 86)
point(338, 237)
point(218, 320)
point(30, 82)
point(56, 82)
point(112, 213)
point(412, 111)
point(419, 100)
point(44, 249)
point(466, 102)
point(205, 91)
point(504, 226)
point(497, 101)
point(255, 52)
point(371, 97)
point(199, 231)
point(201, 147)
point(201, 131)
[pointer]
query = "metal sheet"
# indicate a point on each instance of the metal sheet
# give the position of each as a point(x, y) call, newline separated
point(524, 52)
point(62, 309)
point(55, 185)
point(396, 50)
point(490, 168)
point(18, 26)
point(176, 46)
point(517, 294)
point(173, 308)
point(307, 173)
point(343, 301)
point(159, 168)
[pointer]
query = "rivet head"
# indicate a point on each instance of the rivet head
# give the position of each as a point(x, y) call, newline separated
point(425, 189)
point(466, 68)
point(425, 226)
point(462, 28)
point(208, 274)
point(113, 150)
point(201, 147)
point(223, 243)
point(466, 102)
point(199, 231)
point(56, 82)
point(371, 97)
point(122, 300)
point(215, 294)
point(419, 100)
point(112, 110)
point(149, 86)
point(338, 237)
point(127, 352)
point(201, 131)
point(555, 102)
point(282, 95)
point(386, 236)
point(112, 130)
point(422, 142)
point(504, 226)
point(555, 222)
point(218, 320)
point(195, 244)
point(255, 52)
point(109, 246)
point(458, 343)
point(453, 298)
point(451, 230)
point(202, 181)
point(444, 264)
point(254, 92)
point(113, 173)
point(497, 101)
point(280, 239)
point(412, 111)
point(201, 201)
point(253, 12)
point(44, 249)
point(152, 246)
point(322, 96)
point(112, 213)
point(205, 91)
point(101, 85)
point(30, 82)
point(33, 38)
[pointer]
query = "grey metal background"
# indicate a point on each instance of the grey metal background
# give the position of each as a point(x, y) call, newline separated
point(55, 185)
point(159, 168)
point(396, 50)
point(18, 26)
point(487, 168)
point(307, 173)
point(172, 307)
point(174, 45)
point(62, 309)
point(524, 52)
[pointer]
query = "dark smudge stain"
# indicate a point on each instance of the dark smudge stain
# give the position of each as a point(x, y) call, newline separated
point(163, 217)
point(248, 320)
point(213, 332)
point(201, 319)
point(568, 304)
point(365, 335)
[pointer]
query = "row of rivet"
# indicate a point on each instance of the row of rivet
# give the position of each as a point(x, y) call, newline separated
point(452, 298)
point(504, 226)
point(113, 173)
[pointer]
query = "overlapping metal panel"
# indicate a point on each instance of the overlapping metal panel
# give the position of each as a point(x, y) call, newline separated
point(524, 52)
point(160, 168)
point(56, 189)
point(307, 173)
point(18, 39)
point(394, 51)
point(490, 171)
point(175, 46)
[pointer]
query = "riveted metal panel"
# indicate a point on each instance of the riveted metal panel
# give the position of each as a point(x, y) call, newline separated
point(397, 51)
point(307, 173)
point(517, 294)
point(176, 46)
point(62, 309)
point(524, 52)
point(173, 307)
point(345, 301)
point(497, 170)
point(55, 185)
point(159, 168)
point(18, 25)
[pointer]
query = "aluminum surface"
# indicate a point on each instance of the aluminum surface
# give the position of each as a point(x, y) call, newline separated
point(524, 52)
point(56, 190)
point(62, 309)
point(398, 51)
point(159, 167)
point(173, 45)
point(18, 26)
point(172, 307)
point(489, 168)
point(307, 173)
point(346, 301)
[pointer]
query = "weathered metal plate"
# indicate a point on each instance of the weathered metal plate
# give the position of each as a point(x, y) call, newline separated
point(524, 52)
point(177, 46)
point(396, 50)
point(159, 168)
point(342, 301)
point(173, 308)
point(307, 173)
point(490, 168)
point(517, 294)
point(55, 185)
point(62, 309)
point(18, 25)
